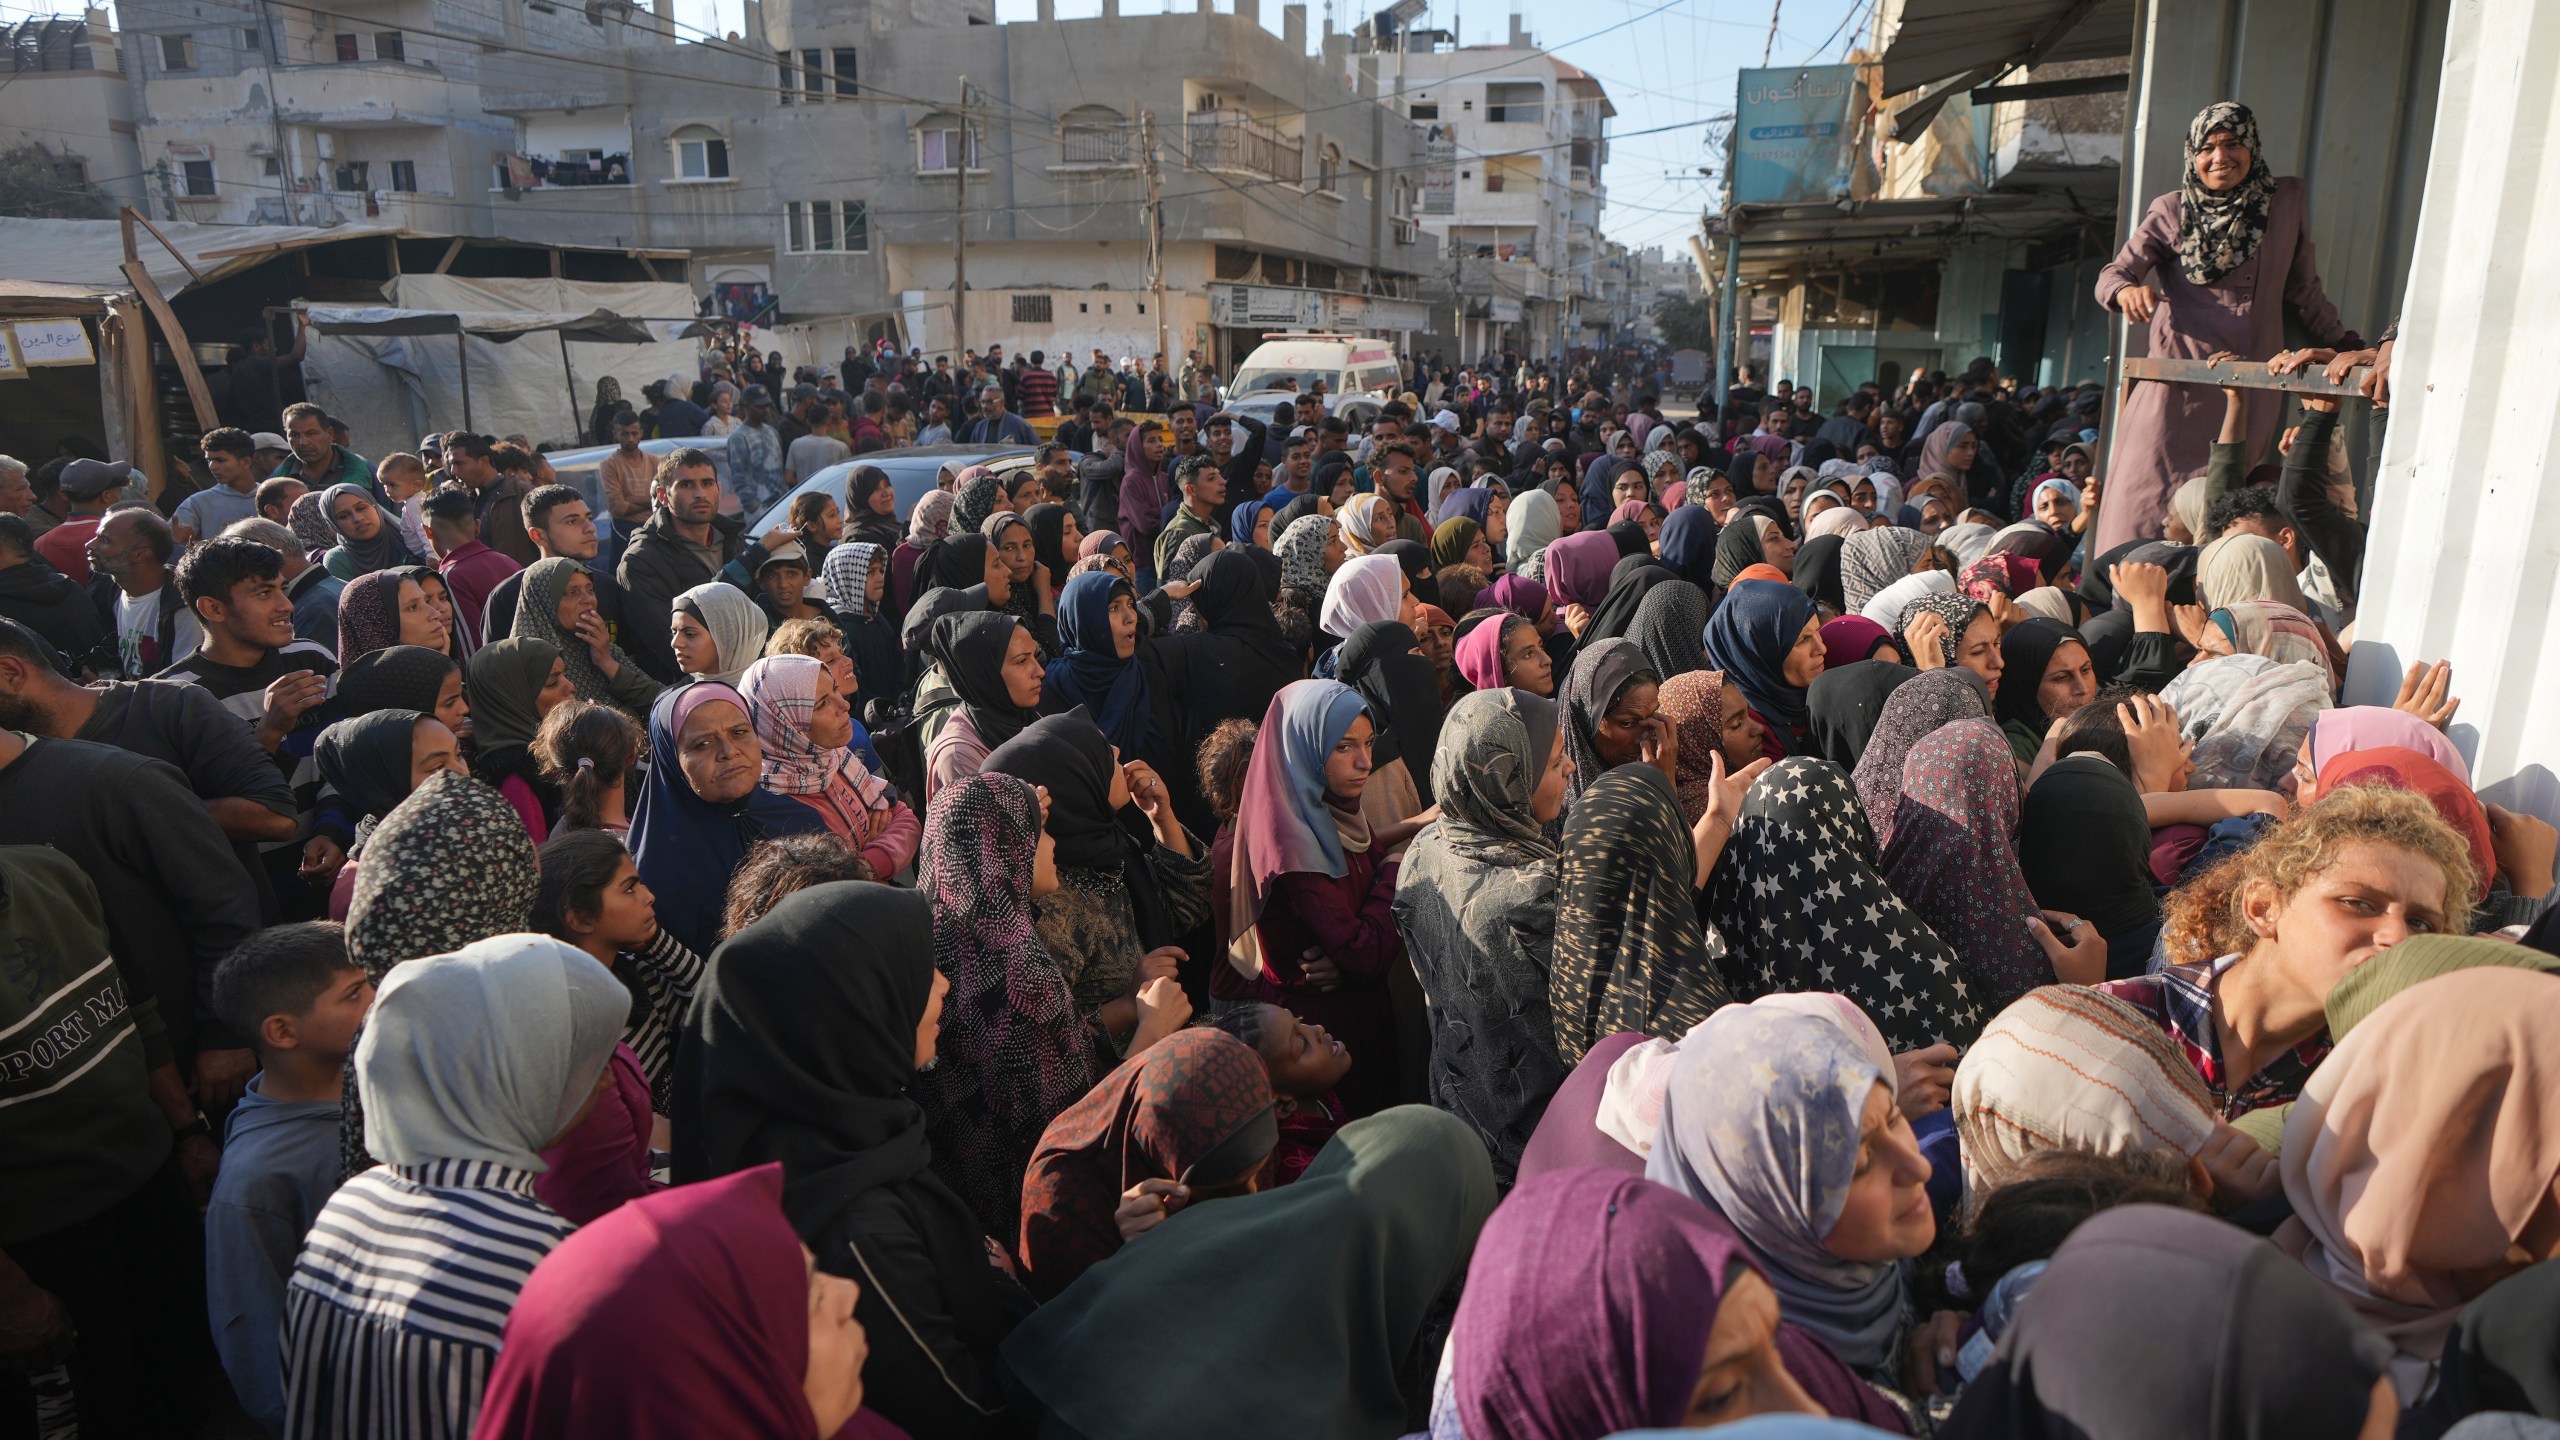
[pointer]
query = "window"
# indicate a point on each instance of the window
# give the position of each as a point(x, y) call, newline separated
point(1426, 111)
point(1515, 103)
point(347, 50)
point(270, 167)
point(1033, 310)
point(826, 227)
point(813, 74)
point(198, 178)
point(1329, 170)
point(71, 171)
point(938, 145)
point(1092, 135)
point(1493, 180)
point(701, 154)
point(404, 176)
point(351, 176)
point(177, 52)
point(251, 41)
point(389, 46)
point(804, 74)
point(844, 70)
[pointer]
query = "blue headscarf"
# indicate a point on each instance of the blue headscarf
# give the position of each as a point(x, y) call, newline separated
point(1475, 503)
point(1089, 673)
point(1689, 545)
point(1748, 638)
point(684, 846)
point(1283, 824)
point(1240, 524)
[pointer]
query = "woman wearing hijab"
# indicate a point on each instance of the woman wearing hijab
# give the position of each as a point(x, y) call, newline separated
point(409, 677)
point(2084, 847)
point(1016, 1049)
point(1309, 549)
point(558, 608)
point(805, 728)
point(1630, 951)
point(1186, 557)
point(470, 1065)
point(1240, 660)
point(1669, 626)
point(993, 666)
point(1460, 541)
point(2046, 674)
point(811, 1066)
point(1874, 559)
point(927, 524)
point(2216, 264)
point(1817, 572)
point(1360, 523)
point(1191, 1120)
point(1688, 545)
point(386, 608)
point(717, 632)
point(1535, 524)
point(1402, 694)
point(1367, 590)
point(980, 494)
point(2246, 716)
point(2072, 1069)
point(867, 519)
point(1630, 580)
point(2004, 576)
point(1312, 878)
point(2107, 1344)
point(1849, 932)
point(1476, 903)
point(2278, 632)
point(1740, 545)
point(1573, 1264)
point(1952, 859)
point(1506, 650)
point(703, 807)
point(368, 539)
point(1055, 534)
point(1780, 1118)
point(1853, 638)
point(1767, 638)
point(1914, 710)
point(1098, 667)
point(1323, 1289)
point(1126, 896)
point(1578, 571)
point(1846, 702)
point(858, 587)
point(512, 684)
point(775, 1350)
point(1608, 696)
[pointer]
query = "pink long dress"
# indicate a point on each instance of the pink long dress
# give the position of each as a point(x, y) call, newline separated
point(2164, 433)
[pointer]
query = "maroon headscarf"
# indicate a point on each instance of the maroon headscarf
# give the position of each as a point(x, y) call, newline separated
point(590, 1352)
point(2003, 573)
point(1195, 1095)
point(1578, 567)
point(1850, 639)
point(1953, 858)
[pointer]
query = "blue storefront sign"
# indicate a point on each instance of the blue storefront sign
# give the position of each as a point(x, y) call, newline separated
point(1795, 133)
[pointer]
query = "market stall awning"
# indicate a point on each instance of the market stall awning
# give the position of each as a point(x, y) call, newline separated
point(595, 326)
point(1775, 238)
point(1955, 45)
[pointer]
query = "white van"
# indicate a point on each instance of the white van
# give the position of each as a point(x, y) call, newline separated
point(1351, 367)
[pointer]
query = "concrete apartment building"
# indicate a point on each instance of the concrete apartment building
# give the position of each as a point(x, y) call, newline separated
point(62, 86)
point(1521, 227)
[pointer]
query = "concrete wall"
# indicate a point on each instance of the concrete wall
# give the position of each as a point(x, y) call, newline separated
point(86, 114)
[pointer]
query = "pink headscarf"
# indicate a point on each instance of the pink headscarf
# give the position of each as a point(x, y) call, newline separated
point(1839, 520)
point(1850, 639)
point(2371, 727)
point(1480, 651)
point(1578, 567)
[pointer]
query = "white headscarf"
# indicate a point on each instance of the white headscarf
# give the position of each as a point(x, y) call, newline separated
point(1367, 589)
point(1887, 606)
point(737, 625)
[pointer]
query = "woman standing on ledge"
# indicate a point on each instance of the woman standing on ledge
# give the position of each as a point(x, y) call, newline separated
point(2214, 265)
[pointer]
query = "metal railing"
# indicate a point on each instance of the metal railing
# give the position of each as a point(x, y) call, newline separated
point(1230, 140)
point(1094, 145)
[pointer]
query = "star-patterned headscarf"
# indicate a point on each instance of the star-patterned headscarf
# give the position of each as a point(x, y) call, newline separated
point(1953, 857)
point(1797, 896)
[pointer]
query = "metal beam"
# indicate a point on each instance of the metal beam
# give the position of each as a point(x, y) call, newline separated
point(2246, 375)
point(2054, 89)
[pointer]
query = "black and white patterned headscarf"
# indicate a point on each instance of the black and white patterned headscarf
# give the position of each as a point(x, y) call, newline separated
point(2218, 230)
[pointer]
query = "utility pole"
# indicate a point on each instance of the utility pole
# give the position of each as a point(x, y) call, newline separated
point(1155, 231)
point(960, 240)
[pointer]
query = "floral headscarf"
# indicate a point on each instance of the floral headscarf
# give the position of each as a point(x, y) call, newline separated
point(309, 522)
point(2218, 231)
point(930, 521)
point(976, 500)
point(1915, 709)
point(782, 695)
point(1301, 550)
point(1957, 610)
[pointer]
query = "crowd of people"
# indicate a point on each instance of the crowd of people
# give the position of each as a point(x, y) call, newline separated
point(1534, 917)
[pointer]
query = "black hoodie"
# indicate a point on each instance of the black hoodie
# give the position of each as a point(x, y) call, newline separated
point(47, 602)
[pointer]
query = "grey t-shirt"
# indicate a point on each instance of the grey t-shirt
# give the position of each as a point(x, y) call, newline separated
point(812, 453)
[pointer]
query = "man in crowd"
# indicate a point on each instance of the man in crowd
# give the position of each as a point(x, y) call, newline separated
point(311, 588)
point(685, 543)
point(626, 474)
point(86, 486)
point(318, 460)
point(230, 456)
point(497, 498)
point(1101, 471)
point(1298, 461)
point(471, 570)
point(1037, 389)
point(45, 601)
point(1098, 382)
point(256, 395)
point(1204, 489)
point(993, 426)
point(1056, 468)
point(562, 525)
point(130, 587)
point(17, 493)
point(824, 445)
point(1396, 474)
point(275, 497)
point(678, 417)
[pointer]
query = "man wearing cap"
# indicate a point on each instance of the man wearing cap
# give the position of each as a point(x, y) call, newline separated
point(268, 453)
point(755, 453)
point(90, 486)
point(318, 460)
point(471, 569)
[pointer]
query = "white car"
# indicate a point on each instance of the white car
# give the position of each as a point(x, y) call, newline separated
point(1350, 367)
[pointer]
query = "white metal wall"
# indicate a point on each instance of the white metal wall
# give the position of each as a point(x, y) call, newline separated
point(2464, 561)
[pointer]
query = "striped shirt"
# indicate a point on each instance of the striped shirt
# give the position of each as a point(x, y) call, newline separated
point(394, 1312)
point(2180, 998)
point(662, 975)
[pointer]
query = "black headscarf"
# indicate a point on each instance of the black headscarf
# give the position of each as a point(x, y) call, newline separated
point(1630, 580)
point(2084, 844)
point(1738, 547)
point(1248, 659)
point(2108, 634)
point(916, 631)
point(810, 1065)
point(956, 561)
point(1048, 522)
point(1671, 628)
point(1817, 572)
point(1629, 537)
point(2501, 1356)
point(1844, 702)
point(1738, 471)
point(1412, 558)
point(1600, 674)
point(2025, 649)
point(2097, 587)
point(1630, 953)
point(2158, 1324)
point(1070, 756)
point(860, 522)
point(970, 649)
point(1291, 513)
point(396, 677)
point(367, 760)
point(1403, 691)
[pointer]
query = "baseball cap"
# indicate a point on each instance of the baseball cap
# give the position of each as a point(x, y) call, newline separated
point(268, 440)
point(1302, 432)
point(89, 479)
point(786, 553)
point(758, 395)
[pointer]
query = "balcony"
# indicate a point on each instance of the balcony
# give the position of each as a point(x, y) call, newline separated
point(1404, 231)
point(570, 170)
point(1232, 140)
point(1094, 145)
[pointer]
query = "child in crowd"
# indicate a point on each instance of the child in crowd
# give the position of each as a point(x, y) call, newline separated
point(1305, 1064)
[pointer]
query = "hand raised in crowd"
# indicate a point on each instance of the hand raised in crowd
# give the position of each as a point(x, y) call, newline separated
point(2426, 691)
point(2525, 847)
point(777, 537)
point(1162, 1009)
point(288, 699)
point(599, 641)
point(2161, 755)
point(2145, 587)
point(2005, 611)
point(1724, 807)
point(1148, 1204)
point(1923, 1079)
point(1180, 589)
point(1927, 635)
point(1658, 745)
point(2201, 634)
point(2236, 1170)
point(2073, 945)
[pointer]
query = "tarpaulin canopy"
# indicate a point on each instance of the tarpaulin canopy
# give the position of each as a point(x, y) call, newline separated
point(601, 327)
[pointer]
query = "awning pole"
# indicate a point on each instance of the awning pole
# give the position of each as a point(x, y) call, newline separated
point(577, 422)
point(1724, 331)
point(462, 349)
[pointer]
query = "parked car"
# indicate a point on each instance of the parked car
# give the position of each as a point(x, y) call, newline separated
point(913, 471)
